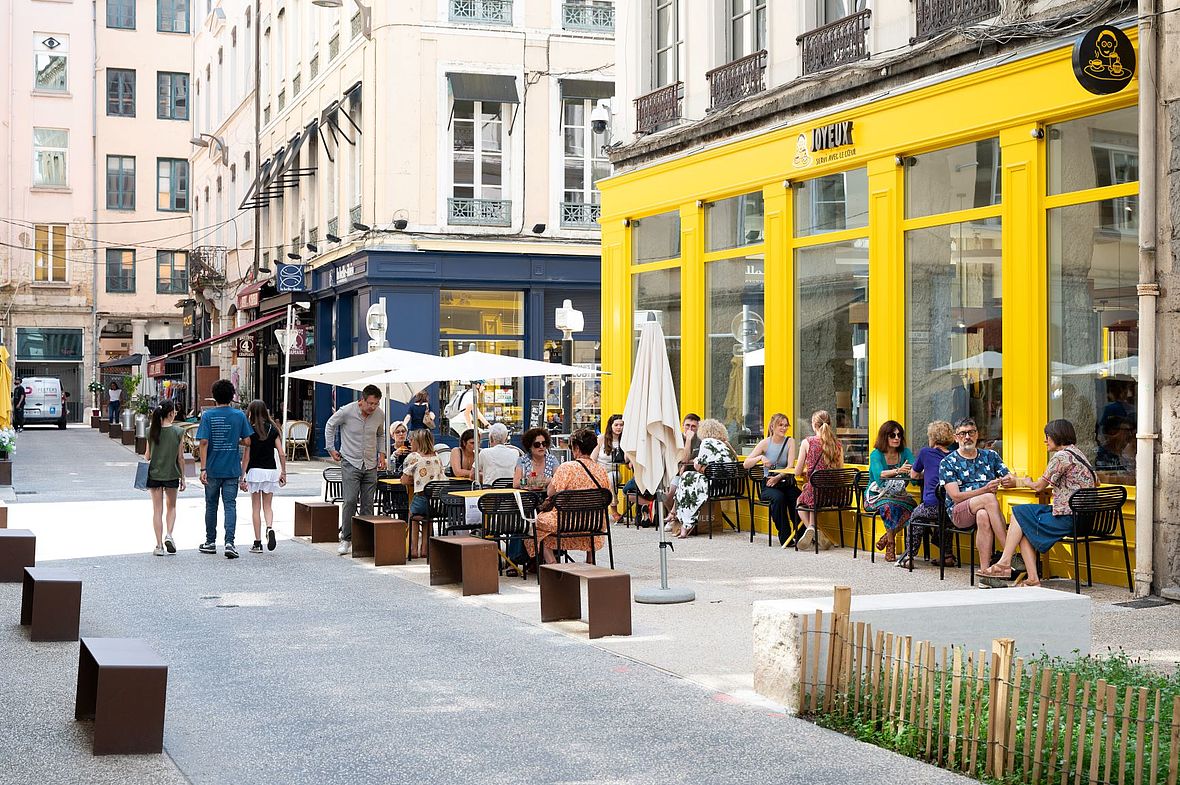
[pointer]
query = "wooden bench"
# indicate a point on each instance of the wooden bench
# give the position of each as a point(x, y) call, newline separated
point(318, 520)
point(122, 686)
point(18, 549)
point(382, 538)
point(608, 597)
point(51, 604)
point(3, 516)
point(469, 561)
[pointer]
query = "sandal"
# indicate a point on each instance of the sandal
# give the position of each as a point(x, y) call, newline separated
point(995, 571)
point(685, 531)
point(891, 548)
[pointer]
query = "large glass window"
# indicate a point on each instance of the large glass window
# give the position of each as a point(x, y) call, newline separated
point(478, 128)
point(120, 270)
point(120, 182)
point(828, 11)
point(832, 339)
point(656, 295)
point(171, 96)
point(172, 185)
point(585, 162)
point(48, 343)
point(50, 61)
point(747, 27)
point(485, 321)
point(121, 92)
point(172, 16)
point(586, 391)
point(954, 331)
point(731, 223)
point(171, 272)
point(666, 42)
point(957, 178)
point(121, 14)
point(1094, 329)
point(832, 203)
point(734, 353)
point(1094, 152)
point(50, 148)
point(655, 238)
point(49, 253)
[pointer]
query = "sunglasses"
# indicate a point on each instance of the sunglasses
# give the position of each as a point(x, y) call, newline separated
point(895, 435)
point(540, 444)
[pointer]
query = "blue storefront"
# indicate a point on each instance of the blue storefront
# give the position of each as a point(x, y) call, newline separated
point(451, 302)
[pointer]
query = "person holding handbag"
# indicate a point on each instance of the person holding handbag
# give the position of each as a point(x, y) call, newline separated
point(418, 415)
point(777, 451)
point(890, 464)
point(165, 461)
point(580, 473)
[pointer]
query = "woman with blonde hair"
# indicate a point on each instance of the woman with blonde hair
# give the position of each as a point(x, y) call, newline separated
point(778, 451)
point(821, 451)
point(421, 468)
point(693, 490)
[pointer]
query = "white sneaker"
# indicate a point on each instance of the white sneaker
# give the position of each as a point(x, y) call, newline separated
point(345, 547)
point(158, 551)
point(806, 540)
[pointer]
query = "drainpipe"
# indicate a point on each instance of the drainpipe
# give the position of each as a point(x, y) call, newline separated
point(94, 82)
point(1148, 290)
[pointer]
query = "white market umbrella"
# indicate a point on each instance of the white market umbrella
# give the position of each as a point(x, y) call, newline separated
point(984, 361)
point(652, 441)
point(1121, 366)
point(354, 372)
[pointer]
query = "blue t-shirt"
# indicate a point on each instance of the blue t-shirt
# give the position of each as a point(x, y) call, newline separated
point(926, 464)
point(224, 427)
point(970, 473)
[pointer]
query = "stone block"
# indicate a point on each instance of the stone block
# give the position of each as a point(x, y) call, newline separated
point(1168, 396)
point(1166, 553)
point(1168, 353)
point(1055, 622)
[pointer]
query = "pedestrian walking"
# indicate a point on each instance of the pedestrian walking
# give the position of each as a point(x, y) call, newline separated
point(361, 427)
point(18, 404)
point(165, 474)
point(114, 399)
point(261, 477)
point(221, 432)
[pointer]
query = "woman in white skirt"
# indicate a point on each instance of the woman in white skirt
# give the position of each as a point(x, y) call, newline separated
point(261, 477)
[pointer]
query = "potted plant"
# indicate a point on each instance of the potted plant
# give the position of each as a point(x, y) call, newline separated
point(7, 443)
point(130, 386)
point(96, 389)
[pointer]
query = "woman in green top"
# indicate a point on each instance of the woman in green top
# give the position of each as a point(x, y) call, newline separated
point(889, 473)
point(165, 473)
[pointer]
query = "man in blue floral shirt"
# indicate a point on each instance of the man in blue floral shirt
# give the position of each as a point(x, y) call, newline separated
point(971, 477)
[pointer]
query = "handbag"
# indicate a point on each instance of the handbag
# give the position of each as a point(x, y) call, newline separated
point(141, 476)
point(886, 490)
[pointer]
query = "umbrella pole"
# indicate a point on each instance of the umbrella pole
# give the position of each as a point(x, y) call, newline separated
point(663, 595)
point(475, 427)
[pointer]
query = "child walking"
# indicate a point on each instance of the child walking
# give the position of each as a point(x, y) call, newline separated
point(260, 476)
point(165, 473)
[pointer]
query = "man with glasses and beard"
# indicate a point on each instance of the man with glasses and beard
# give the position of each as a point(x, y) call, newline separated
point(971, 477)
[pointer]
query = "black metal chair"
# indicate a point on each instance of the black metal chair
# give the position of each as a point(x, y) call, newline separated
point(833, 490)
point(334, 485)
point(446, 513)
point(756, 484)
point(947, 530)
point(727, 483)
point(583, 513)
point(1096, 514)
point(502, 520)
point(503, 482)
point(862, 510)
point(393, 501)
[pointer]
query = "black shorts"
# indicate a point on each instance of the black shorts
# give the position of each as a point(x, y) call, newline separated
point(163, 483)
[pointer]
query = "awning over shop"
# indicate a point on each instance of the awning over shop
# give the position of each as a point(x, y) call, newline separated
point(586, 88)
point(280, 170)
point(129, 361)
point(248, 327)
point(248, 296)
point(494, 88)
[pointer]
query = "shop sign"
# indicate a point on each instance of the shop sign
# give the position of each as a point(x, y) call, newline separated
point(831, 142)
point(156, 367)
point(189, 323)
point(290, 278)
point(1104, 60)
point(346, 272)
point(248, 300)
point(299, 347)
point(245, 347)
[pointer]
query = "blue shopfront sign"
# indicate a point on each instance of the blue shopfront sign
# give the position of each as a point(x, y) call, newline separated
point(291, 278)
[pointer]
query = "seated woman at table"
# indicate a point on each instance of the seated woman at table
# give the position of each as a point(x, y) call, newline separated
point(818, 452)
point(400, 448)
point(693, 490)
point(777, 451)
point(463, 458)
point(940, 438)
point(608, 454)
point(890, 463)
point(581, 473)
point(1035, 528)
point(421, 467)
point(537, 466)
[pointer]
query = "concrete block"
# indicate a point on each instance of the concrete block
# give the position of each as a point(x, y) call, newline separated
point(1040, 620)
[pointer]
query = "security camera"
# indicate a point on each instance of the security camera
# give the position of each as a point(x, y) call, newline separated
point(600, 117)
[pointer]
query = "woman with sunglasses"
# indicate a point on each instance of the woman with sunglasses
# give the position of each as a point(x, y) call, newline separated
point(535, 469)
point(890, 463)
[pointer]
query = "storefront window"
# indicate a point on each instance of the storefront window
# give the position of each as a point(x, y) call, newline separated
point(731, 223)
point(832, 203)
point(1094, 329)
point(957, 178)
point(954, 332)
point(832, 339)
point(655, 238)
point(734, 354)
point(1093, 152)
point(656, 296)
point(485, 321)
point(503, 399)
point(481, 312)
point(586, 391)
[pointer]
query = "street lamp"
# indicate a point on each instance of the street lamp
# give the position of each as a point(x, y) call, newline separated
point(569, 320)
point(366, 13)
point(287, 339)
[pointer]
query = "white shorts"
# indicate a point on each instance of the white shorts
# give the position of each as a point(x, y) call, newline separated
point(262, 480)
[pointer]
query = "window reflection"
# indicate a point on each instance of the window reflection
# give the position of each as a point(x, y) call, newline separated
point(734, 353)
point(730, 223)
point(957, 178)
point(832, 203)
point(657, 296)
point(655, 238)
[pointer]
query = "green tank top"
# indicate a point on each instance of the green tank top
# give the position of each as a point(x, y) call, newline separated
point(163, 464)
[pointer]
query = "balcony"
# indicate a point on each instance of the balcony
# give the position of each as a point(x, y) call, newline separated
point(838, 43)
point(484, 12)
point(588, 18)
point(938, 16)
point(736, 80)
point(579, 215)
point(658, 108)
point(479, 212)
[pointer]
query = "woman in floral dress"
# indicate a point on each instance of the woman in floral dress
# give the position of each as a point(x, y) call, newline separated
point(822, 451)
point(693, 490)
point(581, 473)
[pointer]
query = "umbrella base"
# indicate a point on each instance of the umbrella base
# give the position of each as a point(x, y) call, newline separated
point(657, 596)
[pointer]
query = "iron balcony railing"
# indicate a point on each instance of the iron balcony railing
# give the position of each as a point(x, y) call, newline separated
point(579, 215)
point(938, 16)
point(334, 227)
point(354, 216)
point(840, 42)
point(591, 18)
point(479, 212)
point(495, 12)
point(658, 108)
point(736, 80)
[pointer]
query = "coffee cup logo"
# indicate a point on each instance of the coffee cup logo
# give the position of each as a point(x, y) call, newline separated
point(802, 157)
point(1104, 60)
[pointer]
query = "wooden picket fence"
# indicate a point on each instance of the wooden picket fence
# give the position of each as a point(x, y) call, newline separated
point(985, 713)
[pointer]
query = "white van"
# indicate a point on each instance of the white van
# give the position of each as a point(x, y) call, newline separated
point(43, 404)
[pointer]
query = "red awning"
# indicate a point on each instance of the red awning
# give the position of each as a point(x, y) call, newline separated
point(248, 295)
point(248, 327)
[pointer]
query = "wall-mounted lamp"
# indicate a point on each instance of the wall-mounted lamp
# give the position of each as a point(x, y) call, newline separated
point(331, 238)
point(313, 248)
point(700, 203)
point(899, 159)
point(295, 257)
point(360, 227)
point(1037, 133)
point(218, 150)
point(366, 13)
point(626, 222)
point(400, 224)
point(538, 228)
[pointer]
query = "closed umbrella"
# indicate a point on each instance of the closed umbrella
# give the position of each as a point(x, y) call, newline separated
point(652, 441)
point(5, 390)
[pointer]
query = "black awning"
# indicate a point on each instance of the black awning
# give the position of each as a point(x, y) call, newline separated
point(129, 361)
point(586, 88)
point(484, 87)
point(279, 171)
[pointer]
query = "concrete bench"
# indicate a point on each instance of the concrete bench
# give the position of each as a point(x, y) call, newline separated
point(384, 539)
point(18, 549)
point(122, 686)
point(468, 561)
point(318, 520)
point(1055, 622)
point(608, 597)
point(51, 604)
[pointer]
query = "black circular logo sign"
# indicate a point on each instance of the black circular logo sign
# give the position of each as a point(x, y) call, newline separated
point(1104, 60)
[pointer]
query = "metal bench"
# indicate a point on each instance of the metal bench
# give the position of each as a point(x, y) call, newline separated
point(318, 520)
point(608, 597)
point(122, 686)
point(18, 549)
point(383, 539)
point(469, 561)
point(51, 604)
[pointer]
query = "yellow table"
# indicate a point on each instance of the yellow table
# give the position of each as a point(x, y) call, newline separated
point(483, 492)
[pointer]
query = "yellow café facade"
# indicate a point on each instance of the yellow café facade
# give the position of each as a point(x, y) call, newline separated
point(967, 247)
